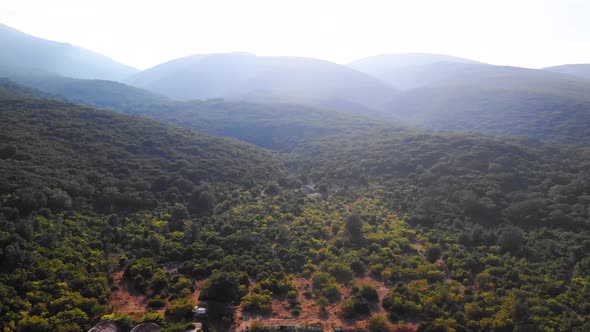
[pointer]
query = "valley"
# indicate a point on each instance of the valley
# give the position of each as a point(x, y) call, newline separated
point(411, 192)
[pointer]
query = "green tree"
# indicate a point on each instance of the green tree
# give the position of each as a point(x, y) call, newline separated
point(378, 323)
point(433, 253)
point(221, 286)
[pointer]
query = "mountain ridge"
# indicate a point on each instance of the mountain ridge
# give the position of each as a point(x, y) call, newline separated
point(242, 76)
point(25, 51)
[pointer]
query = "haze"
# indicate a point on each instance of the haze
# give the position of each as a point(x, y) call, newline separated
point(529, 33)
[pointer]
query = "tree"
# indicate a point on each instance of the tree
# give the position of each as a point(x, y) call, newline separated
point(59, 200)
point(179, 212)
point(379, 323)
point(201, 201)
point(35, 324)
point(180, 309)
point(433, 253)
point(221, 286)
point(352, 230)
point(511, 240)
point(368, 292)
point(273, 189)
point(256, 326)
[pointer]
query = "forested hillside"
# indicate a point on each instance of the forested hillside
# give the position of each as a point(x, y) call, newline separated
point(96, 93)
point(460, 177)
point(275, 126)
point(280, 127)
point(68, 173)
point(48, 144)
point(504, 101)
point(353, 223)
point(368, 227)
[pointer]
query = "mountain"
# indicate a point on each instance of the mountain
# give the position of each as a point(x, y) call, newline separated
point(11, 90)
point(579, 70)
point(279, 127)
point(275, 126)
point(501, 100)
point(411, 70)
point(416, 169)
point(244, 76)
point(98, 209)
point(24, 52)
point(52, 145)
point(96, 93)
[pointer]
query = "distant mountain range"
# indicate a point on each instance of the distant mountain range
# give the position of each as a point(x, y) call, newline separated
point(22, 52)
point(580, 70)
point(424, 90)
point(243, 76)
point(455, 94)
point(411, 70)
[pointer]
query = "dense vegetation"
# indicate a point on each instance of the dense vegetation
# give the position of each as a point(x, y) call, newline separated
point(435, 232)
point(96, 93)
point(496, 100)
point(511, 111)
point(438, 178)
point(279, 127)
point(107, 160)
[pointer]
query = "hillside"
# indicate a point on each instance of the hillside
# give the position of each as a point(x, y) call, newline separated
point(412, 70)
point(96, 93)
point(279, 127)
point(579, 70)
point(265, 78)
point(95, 155)
point(416, 167)
point(24, 52)
point(504, 101)
point(365, 226)
point(275, 126)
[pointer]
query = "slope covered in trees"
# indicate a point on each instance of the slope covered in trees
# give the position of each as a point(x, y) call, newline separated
point(102, 159)
point(280, 127)
point(369, 227)
point(444, 178)
point(503, 101)
point(275, 126)
point(96, 93)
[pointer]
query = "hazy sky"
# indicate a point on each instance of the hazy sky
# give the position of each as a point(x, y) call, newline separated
point(529, 33)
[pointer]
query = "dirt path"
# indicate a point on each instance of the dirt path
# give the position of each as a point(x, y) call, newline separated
point(195, 296)
point(127, 300)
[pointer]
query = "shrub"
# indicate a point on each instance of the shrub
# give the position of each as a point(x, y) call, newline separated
point(157, 303)
point(341, 272)
point(257, 303)
point(331, 292)
point(433, 253)
point(378, 324)
point(180, 309)
point(368, 292)
point(256, 326)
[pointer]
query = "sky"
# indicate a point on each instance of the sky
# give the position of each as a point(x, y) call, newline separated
point(525, 33)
